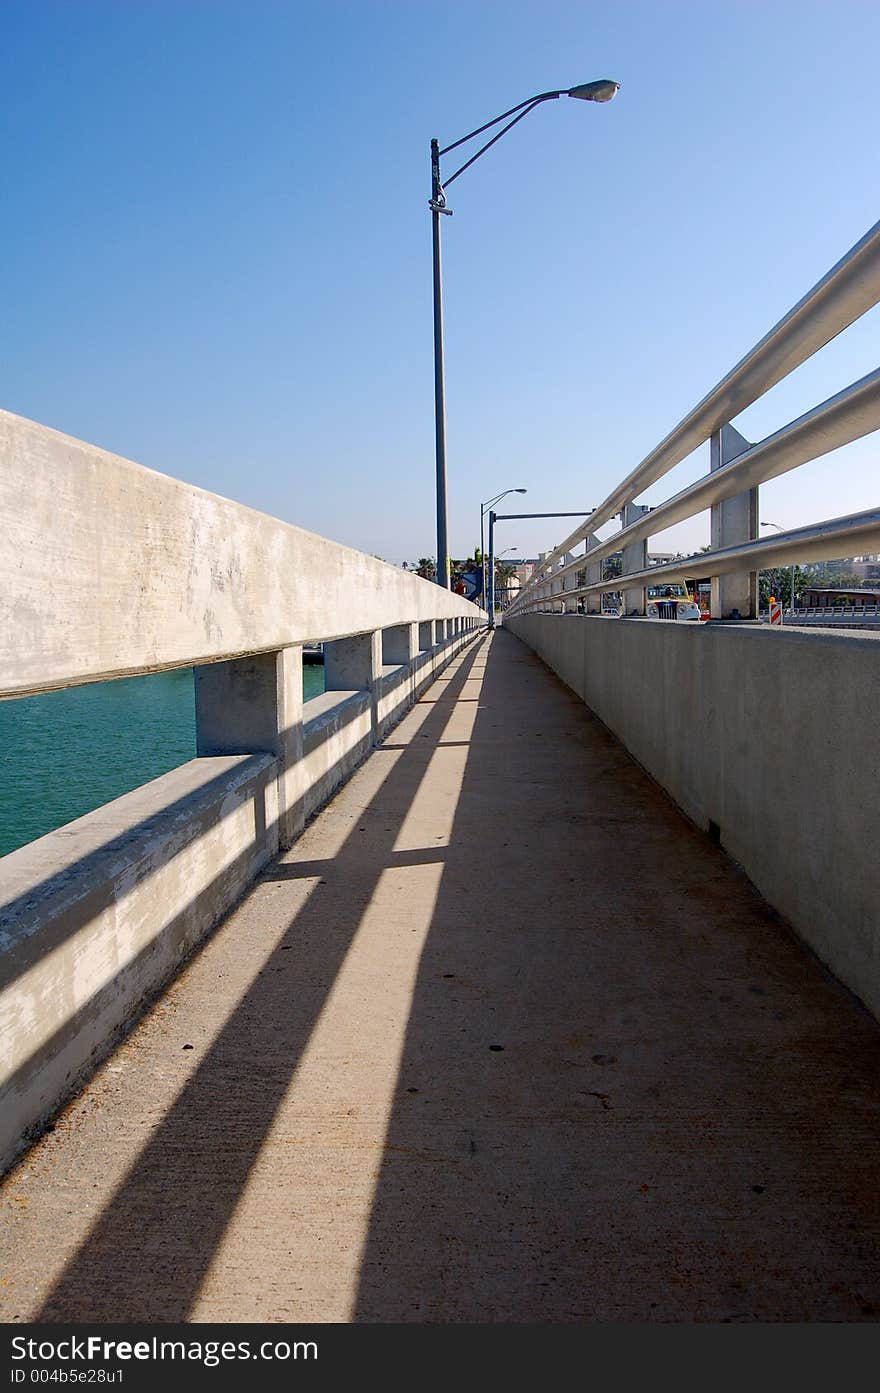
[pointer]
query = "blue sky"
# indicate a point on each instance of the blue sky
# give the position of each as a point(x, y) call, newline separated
point(216, 247)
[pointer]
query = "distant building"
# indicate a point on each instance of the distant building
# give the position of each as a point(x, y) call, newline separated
point(866, 568)
point(821, 597)
point(522, 567)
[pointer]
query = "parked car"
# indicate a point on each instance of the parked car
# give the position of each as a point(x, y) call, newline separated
point(671, 602)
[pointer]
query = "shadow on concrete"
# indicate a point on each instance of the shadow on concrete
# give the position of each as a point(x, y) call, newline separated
point(626, 1093)
point(148, 1252)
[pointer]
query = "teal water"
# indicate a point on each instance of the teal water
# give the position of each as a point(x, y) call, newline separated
point(65, 753)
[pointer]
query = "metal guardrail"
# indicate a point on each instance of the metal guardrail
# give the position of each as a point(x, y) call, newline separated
point(848, 611)
point(831, 613)
point(848, 291)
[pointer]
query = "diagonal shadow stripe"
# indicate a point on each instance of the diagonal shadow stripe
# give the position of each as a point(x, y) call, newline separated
point(148, 1252)
point(307, 870)
point(615, 1081)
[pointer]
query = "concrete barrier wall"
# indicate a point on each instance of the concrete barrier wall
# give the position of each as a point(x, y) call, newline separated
point(337, 737)
point(110, 569)
point(96, 917)
point(772, 737)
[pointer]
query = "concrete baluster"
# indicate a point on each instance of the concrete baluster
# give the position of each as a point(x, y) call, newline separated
point(355, 665)
point(400, 644)
point(252, 705)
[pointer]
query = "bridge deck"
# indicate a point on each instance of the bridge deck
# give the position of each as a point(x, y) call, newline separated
point(502, 1038)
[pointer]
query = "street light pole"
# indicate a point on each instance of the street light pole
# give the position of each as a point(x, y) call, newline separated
point(491, 595)
point(506, 589)
point(602, 90)
point(438, 208)
point(490, 502)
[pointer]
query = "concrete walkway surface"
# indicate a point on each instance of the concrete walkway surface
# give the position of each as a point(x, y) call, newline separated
point(502, 1038)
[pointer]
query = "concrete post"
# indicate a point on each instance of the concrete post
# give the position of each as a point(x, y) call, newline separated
point(635, 558)
point(254, 705)
point(355, 665)
point(733, 521)
point(400, 644)
point(569, 582)
point(426, 635)
point(593, 603)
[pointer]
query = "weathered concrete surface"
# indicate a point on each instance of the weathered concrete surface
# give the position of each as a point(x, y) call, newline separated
point(732, 521)
point(337, 737)
point(95, 917)
point(502, 1038)
point(772, 736)
point(255, 705)
point(109, 568)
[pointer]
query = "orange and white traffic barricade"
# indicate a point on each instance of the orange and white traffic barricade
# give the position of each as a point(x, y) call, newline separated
point(775, 610)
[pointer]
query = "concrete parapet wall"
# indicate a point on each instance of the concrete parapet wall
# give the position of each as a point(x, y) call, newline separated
point(337, 737)
point(98, 915)
point(110, 568)
point(769, 736)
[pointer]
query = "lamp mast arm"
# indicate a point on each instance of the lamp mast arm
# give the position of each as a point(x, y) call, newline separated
point(529, 101)
point(529, 106)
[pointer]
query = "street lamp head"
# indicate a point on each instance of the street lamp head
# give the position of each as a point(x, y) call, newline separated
point(602, 90)
point(520, 490)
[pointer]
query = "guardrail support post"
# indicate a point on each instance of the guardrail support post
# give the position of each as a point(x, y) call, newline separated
point(355, 665)
point(635, 558)
point(426, 635)
point(568, 583)
point(253, 705)
point(593, 603)
point(735, 520)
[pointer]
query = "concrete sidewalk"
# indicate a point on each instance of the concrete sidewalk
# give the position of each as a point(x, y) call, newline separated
point(502, 1038)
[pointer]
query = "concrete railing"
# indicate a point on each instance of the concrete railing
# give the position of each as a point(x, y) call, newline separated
point(108, 570)
point(768, 739)
point(736, 469)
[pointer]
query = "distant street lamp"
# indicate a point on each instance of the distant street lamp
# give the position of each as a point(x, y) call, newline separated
point(484, 507)
point(493, 518)
point(506, 589)
point(791, 605)
point(602, 90)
